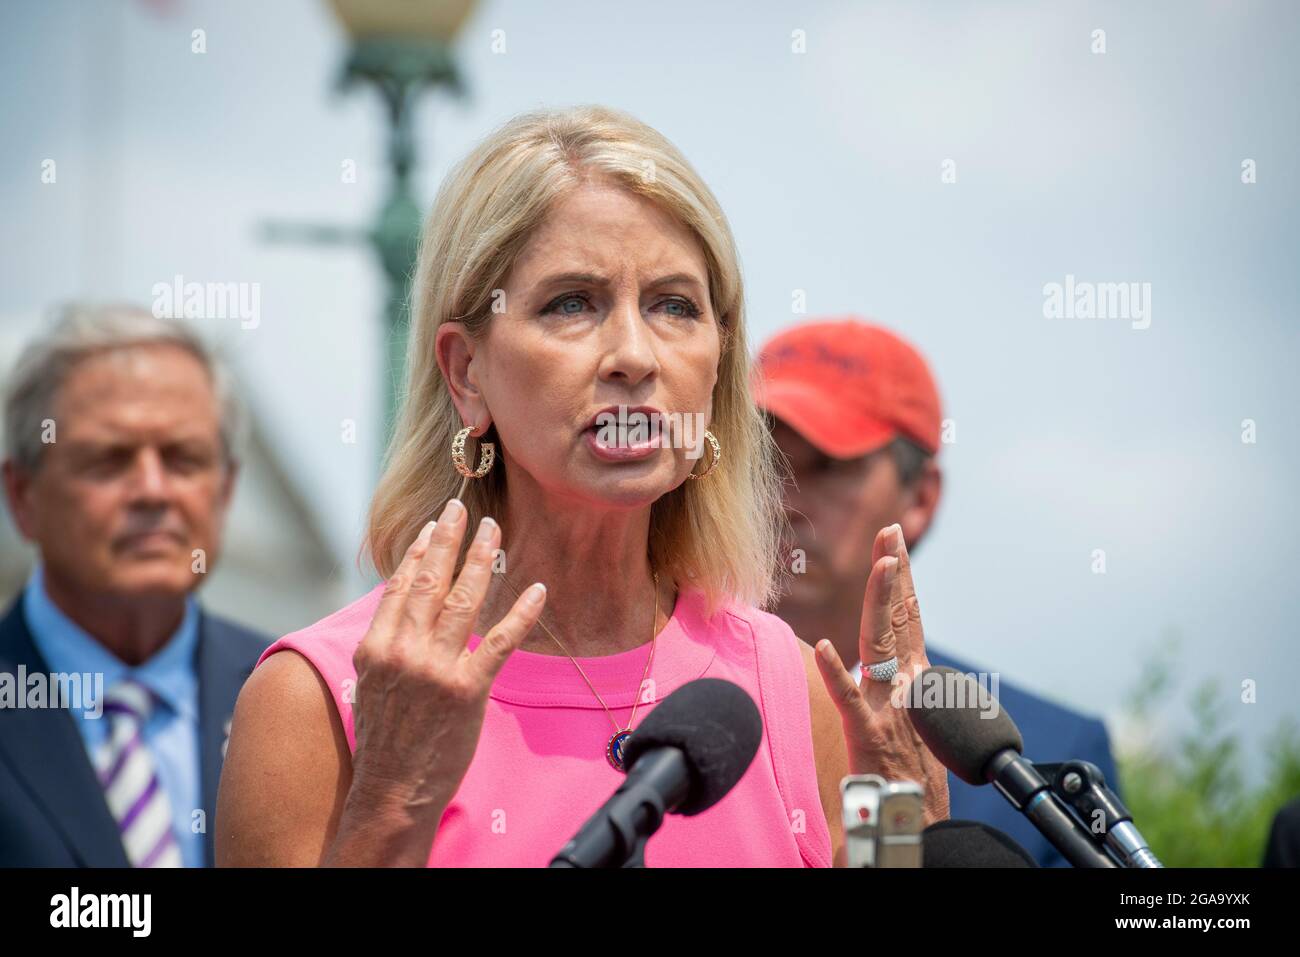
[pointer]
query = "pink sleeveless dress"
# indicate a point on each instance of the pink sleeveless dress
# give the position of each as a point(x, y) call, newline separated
point(540, 769)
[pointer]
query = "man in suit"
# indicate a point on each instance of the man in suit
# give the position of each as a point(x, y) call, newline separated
point(116, 688)
point(855, 411)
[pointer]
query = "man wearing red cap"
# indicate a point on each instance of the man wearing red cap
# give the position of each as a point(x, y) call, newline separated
point(856, 412)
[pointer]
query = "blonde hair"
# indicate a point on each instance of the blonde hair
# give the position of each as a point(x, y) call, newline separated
point(722, 534)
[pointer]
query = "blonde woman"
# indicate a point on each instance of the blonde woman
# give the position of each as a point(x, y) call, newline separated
point(574, 265)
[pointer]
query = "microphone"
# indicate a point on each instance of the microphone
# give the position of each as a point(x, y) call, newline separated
point(683, 759)
point(883, 821)
point(956, 843)
point(980, 749)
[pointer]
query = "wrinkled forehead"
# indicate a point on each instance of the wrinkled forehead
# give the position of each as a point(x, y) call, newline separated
point(138, 392)
point(610, 232)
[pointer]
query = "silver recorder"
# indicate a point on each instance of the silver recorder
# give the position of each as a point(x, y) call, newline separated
point(883, 821)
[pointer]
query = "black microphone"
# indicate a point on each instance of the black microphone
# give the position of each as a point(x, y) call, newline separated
point(684, 758)
point(973, 737)
point(955, 843)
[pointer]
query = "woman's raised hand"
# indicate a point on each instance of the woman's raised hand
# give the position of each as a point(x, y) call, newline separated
point(879, 734)
point(421, 693)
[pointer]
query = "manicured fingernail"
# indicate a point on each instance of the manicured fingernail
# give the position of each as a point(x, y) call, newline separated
point(824, 648)
point(535, 593)
point(427, 531)
point(454, 508)
point(891, 570)
point(898, 537)
point(485, 528)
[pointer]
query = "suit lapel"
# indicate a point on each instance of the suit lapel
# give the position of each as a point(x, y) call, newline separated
point(46, 750)
point(222, 671)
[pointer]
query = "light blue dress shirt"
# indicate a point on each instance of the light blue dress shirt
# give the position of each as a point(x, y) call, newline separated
point(172, 732)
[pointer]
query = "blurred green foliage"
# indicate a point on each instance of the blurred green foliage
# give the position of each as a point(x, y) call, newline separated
point(1189, 796)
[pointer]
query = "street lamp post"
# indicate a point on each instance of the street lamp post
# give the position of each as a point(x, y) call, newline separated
point(401, 48)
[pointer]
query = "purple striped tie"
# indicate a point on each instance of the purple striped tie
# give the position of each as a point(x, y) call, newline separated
point(130, 781)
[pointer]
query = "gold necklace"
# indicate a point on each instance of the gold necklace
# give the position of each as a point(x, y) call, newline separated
point(617, 742)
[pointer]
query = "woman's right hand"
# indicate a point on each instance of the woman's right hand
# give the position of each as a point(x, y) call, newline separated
point(421, 694)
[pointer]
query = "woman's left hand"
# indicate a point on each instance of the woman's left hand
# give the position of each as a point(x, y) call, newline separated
point(880, 736)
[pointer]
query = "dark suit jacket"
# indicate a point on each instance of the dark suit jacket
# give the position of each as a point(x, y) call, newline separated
point(1283, 848)
point(1051, 733)
point(52, 810)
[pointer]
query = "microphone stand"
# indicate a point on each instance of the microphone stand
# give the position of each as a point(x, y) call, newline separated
point(620, 831)
point(1021, 783)
point(1082, 786)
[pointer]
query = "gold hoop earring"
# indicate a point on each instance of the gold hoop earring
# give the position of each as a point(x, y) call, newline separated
point(487, 455)
point(717, 454)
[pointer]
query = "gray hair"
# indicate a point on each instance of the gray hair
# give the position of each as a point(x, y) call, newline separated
point(81, 330)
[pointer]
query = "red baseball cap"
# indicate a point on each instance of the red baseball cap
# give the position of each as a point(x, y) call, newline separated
point(848, 387)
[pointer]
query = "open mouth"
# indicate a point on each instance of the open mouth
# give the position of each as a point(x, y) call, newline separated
point(623, 435)
point(614, 444)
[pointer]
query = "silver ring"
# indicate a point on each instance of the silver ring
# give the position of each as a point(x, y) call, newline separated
point(883, 670)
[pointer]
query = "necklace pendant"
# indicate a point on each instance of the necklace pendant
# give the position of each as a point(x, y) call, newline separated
point(614, 749)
